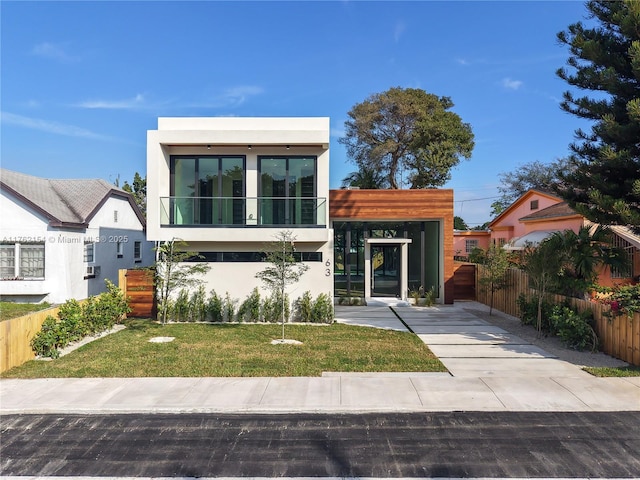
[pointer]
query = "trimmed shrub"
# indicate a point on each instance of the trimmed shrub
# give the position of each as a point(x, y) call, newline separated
point(249, 310)
point(229, 308)
point(304, 307)
point(272, 308)
point(573, 328)
point(322, 309)
point(529, 313)
point(198, 305)
point(99, 313)
point(214, 307)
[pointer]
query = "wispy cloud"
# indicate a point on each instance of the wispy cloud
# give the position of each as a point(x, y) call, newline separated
point(511, 84)
point(238, 95)
point(51, 127)
point(127, 104)
point(231, 97)
point(399, 30)
point(53, 51)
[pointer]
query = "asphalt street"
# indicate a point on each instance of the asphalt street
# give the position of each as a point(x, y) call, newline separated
point(451, 444)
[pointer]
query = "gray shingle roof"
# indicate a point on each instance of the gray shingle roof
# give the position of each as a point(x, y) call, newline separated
point(70, 201)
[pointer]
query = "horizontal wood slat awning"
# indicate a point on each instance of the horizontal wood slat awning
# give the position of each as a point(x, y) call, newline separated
point(390, 204)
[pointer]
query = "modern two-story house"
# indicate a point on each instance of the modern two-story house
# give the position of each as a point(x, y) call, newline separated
point(228, 186)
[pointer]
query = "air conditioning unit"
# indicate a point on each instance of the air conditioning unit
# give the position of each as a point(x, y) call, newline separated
point(91, 270)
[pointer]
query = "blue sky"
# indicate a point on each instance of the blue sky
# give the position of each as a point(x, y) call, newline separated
point(82, 82)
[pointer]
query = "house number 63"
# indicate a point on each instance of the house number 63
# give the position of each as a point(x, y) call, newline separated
point(327, 271)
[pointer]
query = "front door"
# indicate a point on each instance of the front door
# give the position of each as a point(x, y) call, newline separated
point(385, 270)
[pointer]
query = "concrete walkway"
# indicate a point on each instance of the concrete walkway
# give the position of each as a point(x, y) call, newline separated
point(490, 370)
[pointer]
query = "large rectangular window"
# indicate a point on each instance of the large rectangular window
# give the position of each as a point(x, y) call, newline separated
point(22, 260)
point(423, 254)
point(207, 190)
point(287, 190)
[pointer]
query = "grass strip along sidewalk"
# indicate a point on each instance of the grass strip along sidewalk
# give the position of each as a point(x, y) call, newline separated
point(238, 350)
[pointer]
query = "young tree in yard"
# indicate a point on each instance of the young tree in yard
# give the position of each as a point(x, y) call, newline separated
point(173, 271)
point(283, 269)
point(407, 132)
point(493, 274)
point(543, 264)
point(604, 183)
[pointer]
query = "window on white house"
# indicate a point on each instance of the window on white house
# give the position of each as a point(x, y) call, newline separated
point(470, 245)
point(7, 261)
point(22, 260)
point(137, 251)
point(115, 216)
point(89, 251)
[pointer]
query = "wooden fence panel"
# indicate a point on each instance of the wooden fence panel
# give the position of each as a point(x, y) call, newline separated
point(16, 335)
point(138, 287)
point(619, 335)
point(464, 280)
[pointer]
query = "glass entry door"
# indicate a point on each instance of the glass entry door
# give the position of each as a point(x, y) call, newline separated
point(385, 270)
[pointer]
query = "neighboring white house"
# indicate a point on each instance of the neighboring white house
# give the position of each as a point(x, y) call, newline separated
point(227, 186)
point(61, 239)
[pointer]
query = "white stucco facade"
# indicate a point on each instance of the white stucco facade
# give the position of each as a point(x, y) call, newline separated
point(249, 141)
point(65, 269)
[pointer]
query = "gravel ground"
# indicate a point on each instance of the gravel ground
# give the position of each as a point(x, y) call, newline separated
point(552, 345)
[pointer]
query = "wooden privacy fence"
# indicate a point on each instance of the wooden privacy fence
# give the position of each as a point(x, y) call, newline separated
point(619, 334)
point(138, 288)
point(464, 281)
point(16, 335)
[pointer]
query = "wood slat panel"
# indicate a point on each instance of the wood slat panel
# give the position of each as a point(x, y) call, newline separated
point(401, 205)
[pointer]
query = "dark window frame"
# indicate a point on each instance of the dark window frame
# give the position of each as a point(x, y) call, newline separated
point(196, 180)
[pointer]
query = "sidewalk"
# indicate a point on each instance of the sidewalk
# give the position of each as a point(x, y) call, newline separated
point(490, 370)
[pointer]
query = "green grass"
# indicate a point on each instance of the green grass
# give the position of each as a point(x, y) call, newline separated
point(237, 350)
point(10, 310)
point(629, 371)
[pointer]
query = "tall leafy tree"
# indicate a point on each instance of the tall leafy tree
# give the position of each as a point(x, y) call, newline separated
point(533, 175)
point(139, 191)
point(459, 223)
point(407, 132)
point(604, 59)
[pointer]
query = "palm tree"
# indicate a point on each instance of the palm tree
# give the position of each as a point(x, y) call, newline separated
point(585, 252)
point(366, 177)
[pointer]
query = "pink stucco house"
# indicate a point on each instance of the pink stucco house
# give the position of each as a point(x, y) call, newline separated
point(536, 215)
point(464, 241)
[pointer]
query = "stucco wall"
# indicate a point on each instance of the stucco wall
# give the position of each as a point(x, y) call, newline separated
point(65, 269)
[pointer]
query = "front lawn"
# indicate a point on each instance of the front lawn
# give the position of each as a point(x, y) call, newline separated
point(10, 310)
point(238, 350)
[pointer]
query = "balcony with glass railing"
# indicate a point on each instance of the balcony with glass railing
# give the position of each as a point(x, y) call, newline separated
point(243, 211)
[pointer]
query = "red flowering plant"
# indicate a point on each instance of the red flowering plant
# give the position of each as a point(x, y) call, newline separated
point(623, 299)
